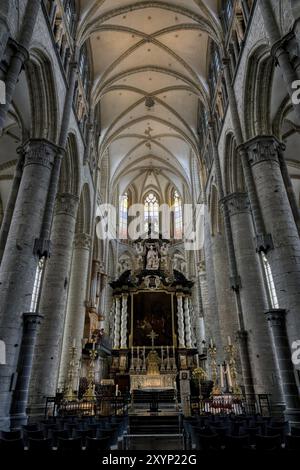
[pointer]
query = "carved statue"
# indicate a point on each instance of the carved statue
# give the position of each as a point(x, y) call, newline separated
point(153, 362)
point(152, 259)
point(139, 248)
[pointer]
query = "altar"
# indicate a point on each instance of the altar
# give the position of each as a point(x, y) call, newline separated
point(150, 382)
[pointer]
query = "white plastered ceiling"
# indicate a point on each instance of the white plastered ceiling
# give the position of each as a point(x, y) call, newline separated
point(155, 51)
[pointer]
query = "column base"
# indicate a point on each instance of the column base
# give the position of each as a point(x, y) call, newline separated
point(292, 416)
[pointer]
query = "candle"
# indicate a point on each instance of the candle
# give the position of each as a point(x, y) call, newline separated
point(197, 360)
point(132, 352)
point(229, 376)
point(74, 343)
point(162, 352)
point(229, 341)
point(94, 345)
point(117, 390)
point(221, 376)
point(211, 343)
point(173, 351)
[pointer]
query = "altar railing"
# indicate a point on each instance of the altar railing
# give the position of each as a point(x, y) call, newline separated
point(232, 404)
point(100, 406)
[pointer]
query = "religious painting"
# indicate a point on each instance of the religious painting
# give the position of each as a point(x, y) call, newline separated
point(152, 311)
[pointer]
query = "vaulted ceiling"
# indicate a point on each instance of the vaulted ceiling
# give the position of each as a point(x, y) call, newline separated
point(150, 71)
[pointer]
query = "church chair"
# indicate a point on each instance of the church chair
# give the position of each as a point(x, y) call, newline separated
point(11, 435)
point(97, 445)
point(252, 433)
point(208, 443)
point(69, 445)
point(236, 443)
point(59, 434)
point(31, 427)
point(295, 431)
point(222, 431)
point(40, 445)
point(49, 428)
point(11, 445)
point(71, 428)
point(275, 431)
point(292, 442)
point(84, 433)
point(32, 435)
point(267, 443)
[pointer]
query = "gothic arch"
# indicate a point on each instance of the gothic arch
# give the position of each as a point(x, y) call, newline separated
point(233, 171)
point(258, 91)
point(44, 107)
point(69, 175)
point(83, 222)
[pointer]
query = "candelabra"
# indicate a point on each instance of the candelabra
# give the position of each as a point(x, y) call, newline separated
point(212, 351)
point(232, 371)
point(90, 391)
point(69, 394)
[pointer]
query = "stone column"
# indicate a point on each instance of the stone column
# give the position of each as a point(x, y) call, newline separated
point(276, 319)
point(4, 28)
point(253, 295)
point(280, 54)
point(181, 341)
point(117, 323)
point(20, 395)
point(235, 280)
point(187, 322)
point(284, 259)
point(124, 321)
point(76, 308)
point(53, 303)
point(227, 312)
point(19, 263)
point(16, 64)
point(10, 206)
point(212, 325)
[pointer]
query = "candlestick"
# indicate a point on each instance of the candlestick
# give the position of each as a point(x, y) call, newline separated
point(221, 376)
point(229, 379)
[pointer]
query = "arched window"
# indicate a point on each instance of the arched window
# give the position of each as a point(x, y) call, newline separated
point(123, 216)
point(37, 285)
point(70, 12)
point(177, 207)
point(84, 68)
point(151, 213)
point(270, 282)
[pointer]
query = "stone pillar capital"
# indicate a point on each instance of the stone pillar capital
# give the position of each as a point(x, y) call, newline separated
point(82, 241)
point(39, 152)
point(242, 335)
point(32, 318)
point(264, 148)
point(276, 316)
point(66, 204)
point(236, 203)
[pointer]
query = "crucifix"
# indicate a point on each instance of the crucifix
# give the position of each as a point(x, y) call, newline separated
point(152, 336)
